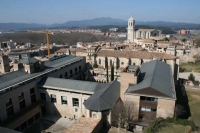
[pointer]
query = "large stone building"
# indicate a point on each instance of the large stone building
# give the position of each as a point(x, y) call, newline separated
point(134, 34)
point(154, 93)
point(20, 99)
point(51, 87)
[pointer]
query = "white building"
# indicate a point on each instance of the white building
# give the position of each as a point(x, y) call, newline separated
point(134, 34)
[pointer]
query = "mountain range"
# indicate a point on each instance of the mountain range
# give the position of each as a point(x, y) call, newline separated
point(96, 22)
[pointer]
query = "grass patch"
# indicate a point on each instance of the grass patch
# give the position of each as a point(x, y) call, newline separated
point(174, 128)
point(189, 67)
point(194, 103)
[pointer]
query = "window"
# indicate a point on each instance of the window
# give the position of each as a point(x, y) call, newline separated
point(94, 116)
point(75, 102)
point(79, 68)
point(76, 110)
point(21, 96)
point(147, 109)
point(33, 98)
point(64, 100)
point(75, 70)
point(22, 104)
point(8, 102)
point(122, 63)
point(66, 74)
point(148, 99)
point(75, 117)
point(99, 61)
point(32, 91)
point(134, 64)
point(71, 73)
point(10, 111)
point(43, 96)
point(53, 98)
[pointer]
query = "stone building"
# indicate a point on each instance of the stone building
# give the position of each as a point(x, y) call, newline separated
point(133, 34)
point(20, 100)
point(154, 94)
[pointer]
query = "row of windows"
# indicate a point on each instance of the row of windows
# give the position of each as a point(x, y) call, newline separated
point(122, 63)
point(147, 109)
point(22, 103)
point(75, 101)
point(71, 72)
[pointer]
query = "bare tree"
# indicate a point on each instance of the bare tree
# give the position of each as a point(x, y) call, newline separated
point(123, 114)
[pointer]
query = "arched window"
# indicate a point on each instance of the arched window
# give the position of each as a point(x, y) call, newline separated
point(94, 116)
point(99, 61)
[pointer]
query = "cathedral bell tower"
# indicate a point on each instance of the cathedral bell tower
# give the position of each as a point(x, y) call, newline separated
point(131, 29)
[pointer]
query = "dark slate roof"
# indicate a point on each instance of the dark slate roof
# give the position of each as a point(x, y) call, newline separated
point(155, 78)
point(104, 95)
point(16, 77)
point(104, 98)
point(68, 84)
point(29, 61)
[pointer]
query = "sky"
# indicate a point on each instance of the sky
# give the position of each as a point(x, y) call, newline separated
point(60, 11)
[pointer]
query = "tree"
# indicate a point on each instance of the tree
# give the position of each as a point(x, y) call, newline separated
point(196, 57)
point(179, 110)
point(183, 40)
point(123, 114)
point(112, 72)
point(191, 77)
point(166, 39)
point(95, 60)
point(106, 66)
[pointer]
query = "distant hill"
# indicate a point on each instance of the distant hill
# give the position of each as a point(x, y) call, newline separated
point(97, 22)
point(92, 22)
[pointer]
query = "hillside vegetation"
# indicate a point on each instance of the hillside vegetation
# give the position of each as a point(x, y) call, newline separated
point(70, 38)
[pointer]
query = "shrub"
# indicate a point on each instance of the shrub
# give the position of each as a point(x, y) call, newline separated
point(159, 122)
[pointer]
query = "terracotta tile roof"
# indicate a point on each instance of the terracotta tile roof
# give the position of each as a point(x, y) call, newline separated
point(162, 46)
point(62, 50)
point(135, 54)
point(76, 49)
point(83, 125)
point(180, 48)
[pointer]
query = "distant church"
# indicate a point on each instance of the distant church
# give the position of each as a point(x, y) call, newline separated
point(134, 34)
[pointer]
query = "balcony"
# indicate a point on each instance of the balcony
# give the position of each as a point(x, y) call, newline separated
point(151, 104)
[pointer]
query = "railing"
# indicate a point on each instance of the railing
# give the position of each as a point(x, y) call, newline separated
point(151, 104)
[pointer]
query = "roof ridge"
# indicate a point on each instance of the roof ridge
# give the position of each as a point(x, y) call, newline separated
point(153, 73)
point(109, 83)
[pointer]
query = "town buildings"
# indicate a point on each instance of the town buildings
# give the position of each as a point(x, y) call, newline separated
point(51, 87)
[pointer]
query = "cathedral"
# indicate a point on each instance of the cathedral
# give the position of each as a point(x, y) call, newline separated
point(134, 34)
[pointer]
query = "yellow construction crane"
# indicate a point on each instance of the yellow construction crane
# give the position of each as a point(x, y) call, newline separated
point(47, 37)
point(48, 43)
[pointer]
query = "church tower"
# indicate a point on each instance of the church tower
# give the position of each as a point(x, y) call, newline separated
point(131, 29)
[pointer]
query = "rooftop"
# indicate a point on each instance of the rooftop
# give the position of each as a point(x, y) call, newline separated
point(29, 61)
point(15, 78)
point(156, 79)
point(84, 125)
point(135, 54)
point(70, 85)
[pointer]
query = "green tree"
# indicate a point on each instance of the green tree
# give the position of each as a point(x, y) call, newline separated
point(183, 40)
point(106, 66)
point(166, 39)
point(112, 72)
point(95, 60)
point(191, 77)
